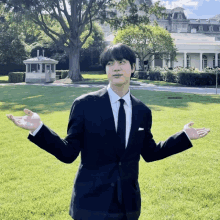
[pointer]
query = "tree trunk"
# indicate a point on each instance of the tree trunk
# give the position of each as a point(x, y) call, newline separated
point(74, 67)
point(142, 63)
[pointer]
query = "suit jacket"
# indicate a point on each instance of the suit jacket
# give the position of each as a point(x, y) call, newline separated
point(105, 178)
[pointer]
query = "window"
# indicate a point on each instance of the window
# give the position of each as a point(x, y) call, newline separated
point(33, 68)
point(38, 68)
point(188, 61)
point(29, 68)
point(52, 68)
point(43, 68)
point(204, 61)
point(218, 60)
point(179, 16)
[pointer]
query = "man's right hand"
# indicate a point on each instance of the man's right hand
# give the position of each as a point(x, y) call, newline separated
point(30, 122)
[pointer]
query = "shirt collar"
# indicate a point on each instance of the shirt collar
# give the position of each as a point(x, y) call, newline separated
point(115, 97)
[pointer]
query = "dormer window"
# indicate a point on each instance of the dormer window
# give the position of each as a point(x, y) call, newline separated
point(179, 16)
point(210, 28)
point(201, 28)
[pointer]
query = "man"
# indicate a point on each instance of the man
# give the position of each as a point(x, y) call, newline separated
point(111, 128)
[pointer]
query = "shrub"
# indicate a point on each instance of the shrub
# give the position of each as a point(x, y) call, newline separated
point(170, 76)
point(156, 74)
point(16, 77)
point(63, 73)
point(140, 74)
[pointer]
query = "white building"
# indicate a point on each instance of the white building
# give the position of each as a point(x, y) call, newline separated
point(197, 40)
point(40, 69)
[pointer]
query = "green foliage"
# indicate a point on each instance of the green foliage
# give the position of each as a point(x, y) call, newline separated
point(185, 76)
point(131, 13)
point(141, 74)
point(16, 77)
point(147, 40)
point(62, 73)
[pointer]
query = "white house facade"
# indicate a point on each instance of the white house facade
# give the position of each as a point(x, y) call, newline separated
point(197, 41)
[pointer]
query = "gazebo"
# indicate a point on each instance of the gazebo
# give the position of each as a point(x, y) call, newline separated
point(40, 69)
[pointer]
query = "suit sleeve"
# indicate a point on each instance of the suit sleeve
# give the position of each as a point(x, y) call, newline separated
point(68, 149)
point(174, 144)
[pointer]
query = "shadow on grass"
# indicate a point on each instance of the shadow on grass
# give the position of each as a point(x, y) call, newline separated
point(42, 99)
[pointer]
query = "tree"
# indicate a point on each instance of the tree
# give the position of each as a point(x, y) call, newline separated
point(12, 48)
point(90, 54)
point(72, 16)
point(125, 13)
point(147, 40)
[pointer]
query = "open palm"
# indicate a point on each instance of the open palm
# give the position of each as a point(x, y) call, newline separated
point(29, 122)
point(195, 133)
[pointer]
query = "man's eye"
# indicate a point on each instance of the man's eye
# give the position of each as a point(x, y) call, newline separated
point(122, 61)
point(109, 63)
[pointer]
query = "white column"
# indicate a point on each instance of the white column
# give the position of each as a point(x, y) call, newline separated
point(137, 64)
point(153, 62)
point(200, 66)
point(216, 59)
point(185, 61)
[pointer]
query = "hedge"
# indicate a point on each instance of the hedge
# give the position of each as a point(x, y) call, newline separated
point(16, 77)
point(189, 77)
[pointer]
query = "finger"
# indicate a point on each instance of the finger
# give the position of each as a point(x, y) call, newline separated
point(201, 129)
point(191, 123)
point(17, 123)
point(28, 112)
point(203, 135)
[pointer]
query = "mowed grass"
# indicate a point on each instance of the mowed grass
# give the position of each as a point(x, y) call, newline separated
point(34, 185)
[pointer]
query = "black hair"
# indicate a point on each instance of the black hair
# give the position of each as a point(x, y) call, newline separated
point(117, 52)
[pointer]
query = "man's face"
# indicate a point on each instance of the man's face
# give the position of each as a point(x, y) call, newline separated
point(119, 72)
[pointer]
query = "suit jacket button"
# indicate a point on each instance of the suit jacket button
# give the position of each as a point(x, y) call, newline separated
point(112, 184)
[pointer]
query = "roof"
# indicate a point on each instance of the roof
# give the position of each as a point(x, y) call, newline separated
point(40, 59)
point(191, 38)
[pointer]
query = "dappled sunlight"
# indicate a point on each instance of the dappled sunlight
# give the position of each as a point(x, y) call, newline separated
point(60, 103)
point(40, 106)
point(31, 97)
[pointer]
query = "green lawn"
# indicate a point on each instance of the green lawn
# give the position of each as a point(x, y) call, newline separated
point(35, 185)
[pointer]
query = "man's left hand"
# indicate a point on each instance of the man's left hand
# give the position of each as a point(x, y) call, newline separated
point(195, 133)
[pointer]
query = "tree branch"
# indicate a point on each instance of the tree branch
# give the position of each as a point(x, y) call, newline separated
point(90, 31)
point(59, 18)
point(66, 13)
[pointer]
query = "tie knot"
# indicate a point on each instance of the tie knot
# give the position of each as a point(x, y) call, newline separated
point(121, 101)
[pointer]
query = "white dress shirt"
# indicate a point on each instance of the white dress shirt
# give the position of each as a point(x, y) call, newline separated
point(115, 108)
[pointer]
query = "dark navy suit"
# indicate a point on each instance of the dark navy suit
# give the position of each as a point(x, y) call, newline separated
point(106, 185)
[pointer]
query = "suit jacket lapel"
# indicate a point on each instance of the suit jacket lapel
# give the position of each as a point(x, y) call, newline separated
point(108, 119)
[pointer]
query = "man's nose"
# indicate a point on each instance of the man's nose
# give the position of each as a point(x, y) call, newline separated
point(116, 66)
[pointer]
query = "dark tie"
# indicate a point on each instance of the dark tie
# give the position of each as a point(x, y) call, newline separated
point(121, 127)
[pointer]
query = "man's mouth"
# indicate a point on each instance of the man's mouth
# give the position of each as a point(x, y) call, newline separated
point(117, 75)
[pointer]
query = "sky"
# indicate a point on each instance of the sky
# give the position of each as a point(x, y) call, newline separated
point(203, 9)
